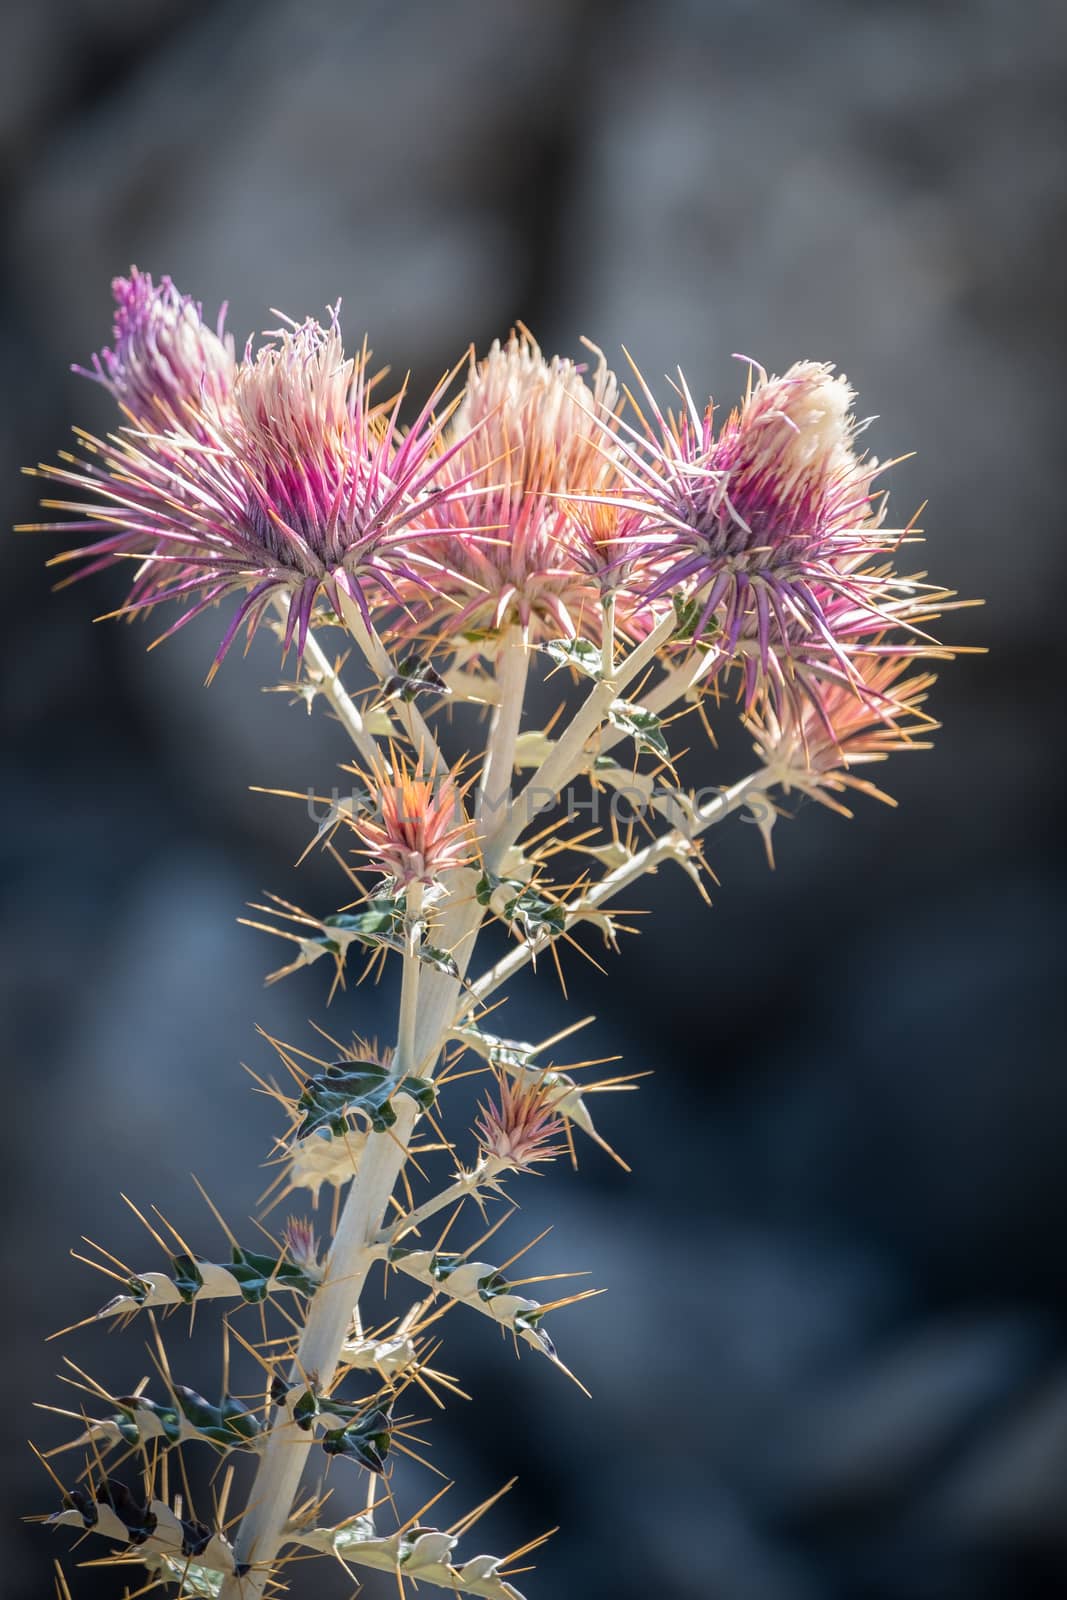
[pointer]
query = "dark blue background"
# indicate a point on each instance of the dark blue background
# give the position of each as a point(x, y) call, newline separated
point(832, 1363)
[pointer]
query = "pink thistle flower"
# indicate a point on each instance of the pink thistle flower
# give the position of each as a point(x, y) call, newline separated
point(813, 744)
point(769, 523)
point(301, 1244)
point(519, 1126)
point(167, 365)
point(527, 434)
point(419, 831)
point(301, 486)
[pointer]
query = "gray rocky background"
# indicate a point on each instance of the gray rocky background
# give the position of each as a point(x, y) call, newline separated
point(832, 1364)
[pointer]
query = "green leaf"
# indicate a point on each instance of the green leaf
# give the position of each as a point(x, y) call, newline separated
point(489, 883)
point(687, 613)
point(440, 960)
point(413, 678)
point(226, 1426)
point(581, 654)
point(363, 1086)
point(380, 920)
point(536, 916)
point(366, 1441)
point(253, 1276)
point(256, 1274)
point(186, 1276)
point(643, 727)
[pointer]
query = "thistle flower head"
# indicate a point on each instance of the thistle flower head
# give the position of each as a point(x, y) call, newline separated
point(301, 485)
point(419, 831)
point(520, 1126)
point(769, 521)
point(166, 364)
point(528, 433)
point(301, 1244)
point(812, 744)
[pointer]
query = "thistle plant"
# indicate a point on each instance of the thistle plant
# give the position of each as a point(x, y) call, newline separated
point(652, 571)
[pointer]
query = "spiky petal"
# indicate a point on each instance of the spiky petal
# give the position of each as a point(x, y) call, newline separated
point(301, 1244)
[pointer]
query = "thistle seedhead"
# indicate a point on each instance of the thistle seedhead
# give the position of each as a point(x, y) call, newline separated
point(529, 513)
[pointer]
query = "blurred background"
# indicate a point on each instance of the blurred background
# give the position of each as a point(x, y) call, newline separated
point(832, 1361)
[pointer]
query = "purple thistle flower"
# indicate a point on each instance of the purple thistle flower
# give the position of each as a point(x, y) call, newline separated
point(300, 484)
point(769, 523)
point(166, 364)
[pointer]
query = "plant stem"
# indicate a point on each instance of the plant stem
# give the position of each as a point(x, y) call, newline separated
point(607, 642)
point(668, 845)
point(488, 1170)
point(335, 1301)
point(323, 676)
point(494, 793)
point(329, 1316)
point(381, 664)
point(568, 757)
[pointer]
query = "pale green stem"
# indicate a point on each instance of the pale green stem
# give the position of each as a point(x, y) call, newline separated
point(607, 643)
point(568, 756)
point(668, 845)
point(334, 1303)
point(494, 793)
point(381, 664)
point(323, 676)
point(487, 1171)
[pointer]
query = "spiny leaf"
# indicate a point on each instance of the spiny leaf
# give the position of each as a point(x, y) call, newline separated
point(228, 1426)
point(584, 656)
point(687, 613)
point(440, 960)
point(476, 1284)
point(365, 1087)
point(420, 1554)
point(367, 1441)
point(535, 916)
point(643, 727)
point(248, 1276)
point(413, 678)
point(151, 1530)
point(359, 1431)
point(380, 918)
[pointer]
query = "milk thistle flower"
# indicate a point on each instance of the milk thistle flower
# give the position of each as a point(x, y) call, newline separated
point(527, 434)
point(674, 558)
point(301, 484)
point(768, 522)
